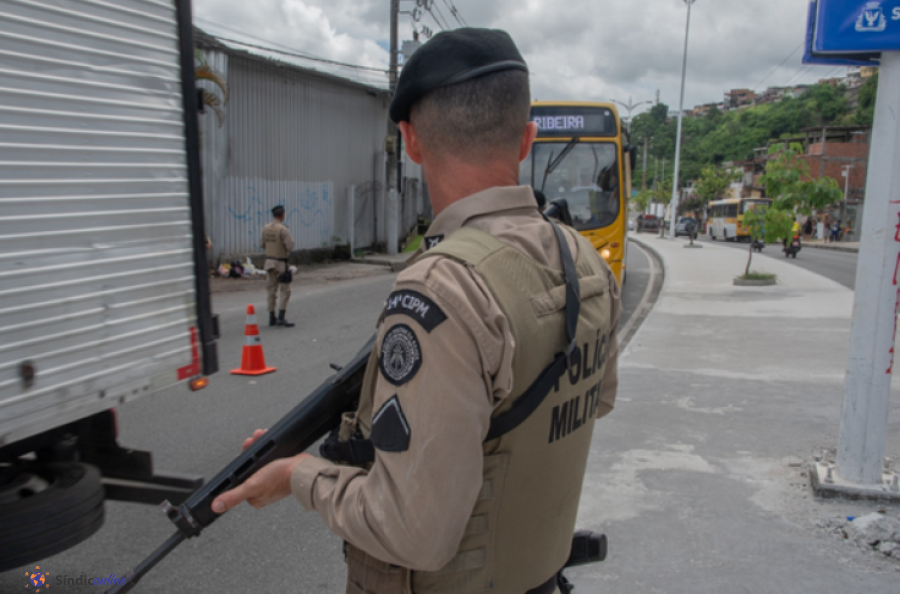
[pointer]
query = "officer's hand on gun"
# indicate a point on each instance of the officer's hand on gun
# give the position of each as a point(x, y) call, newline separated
point(270, 484)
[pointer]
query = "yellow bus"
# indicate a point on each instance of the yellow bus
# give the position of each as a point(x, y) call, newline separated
point(726, 217)
point(581, 154)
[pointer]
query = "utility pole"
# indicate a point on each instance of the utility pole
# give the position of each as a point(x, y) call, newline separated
point(644, 171)
point(846, 174)
point(392, 145)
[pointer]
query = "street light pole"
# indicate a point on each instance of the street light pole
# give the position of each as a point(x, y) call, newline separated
point(630, 107)
point(674, 203)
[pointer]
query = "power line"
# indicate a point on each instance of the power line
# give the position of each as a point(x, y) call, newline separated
point(455, 12)
point(296, 54)
point(799, 74)
point(791, 55)
point(438, 9)
point(255, 38)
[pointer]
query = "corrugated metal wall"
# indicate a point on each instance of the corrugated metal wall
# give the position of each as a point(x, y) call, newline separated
point(295, 138)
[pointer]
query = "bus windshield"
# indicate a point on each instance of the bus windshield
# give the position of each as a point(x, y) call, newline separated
point(587, 177)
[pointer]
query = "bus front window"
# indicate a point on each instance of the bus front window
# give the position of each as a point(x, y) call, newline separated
point(587, 177)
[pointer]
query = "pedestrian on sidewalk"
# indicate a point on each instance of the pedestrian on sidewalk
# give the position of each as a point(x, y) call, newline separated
point(449, 482)
point(277, 242)
point(808, 228)
point(835, 231)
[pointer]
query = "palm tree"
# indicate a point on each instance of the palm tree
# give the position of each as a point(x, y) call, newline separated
point(204, 72)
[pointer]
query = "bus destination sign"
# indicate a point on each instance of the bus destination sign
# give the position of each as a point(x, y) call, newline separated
point(574, 121)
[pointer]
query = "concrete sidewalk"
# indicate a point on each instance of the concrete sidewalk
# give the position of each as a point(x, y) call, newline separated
point(700, 475)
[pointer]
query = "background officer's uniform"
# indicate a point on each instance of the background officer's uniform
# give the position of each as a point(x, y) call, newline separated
point(277, 242)
point(442, 369)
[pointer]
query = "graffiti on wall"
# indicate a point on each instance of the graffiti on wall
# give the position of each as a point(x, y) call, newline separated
point(309, 210)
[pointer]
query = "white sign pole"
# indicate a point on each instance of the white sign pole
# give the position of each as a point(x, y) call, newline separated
point(871, 360)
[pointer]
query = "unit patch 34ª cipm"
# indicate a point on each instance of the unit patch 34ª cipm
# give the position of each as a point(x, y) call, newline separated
point(417, 306)
point(401, 356)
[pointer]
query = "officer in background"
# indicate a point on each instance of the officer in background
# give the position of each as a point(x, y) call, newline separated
point(277, 242)
point(461, 471)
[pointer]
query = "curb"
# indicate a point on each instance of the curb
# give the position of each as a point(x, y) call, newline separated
point(834, 248)
point(394, 266)
point(648, 301)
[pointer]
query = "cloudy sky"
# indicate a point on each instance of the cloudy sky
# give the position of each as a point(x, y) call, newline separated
point(576, 49)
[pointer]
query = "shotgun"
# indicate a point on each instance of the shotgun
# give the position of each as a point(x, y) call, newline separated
point(310, 420)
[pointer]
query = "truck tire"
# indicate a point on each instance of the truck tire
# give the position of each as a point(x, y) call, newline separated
point(47, 508)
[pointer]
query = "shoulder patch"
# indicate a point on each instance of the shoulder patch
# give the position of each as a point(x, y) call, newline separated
point(417, 306)
point(401, 356)
point(432, 241)
point(390, 430)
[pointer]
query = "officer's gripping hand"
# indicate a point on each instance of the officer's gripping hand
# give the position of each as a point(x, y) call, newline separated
point(270, 484)
point(251, 440)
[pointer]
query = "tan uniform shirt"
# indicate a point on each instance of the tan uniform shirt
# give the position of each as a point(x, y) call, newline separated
point(411, 508)
point(277, 242)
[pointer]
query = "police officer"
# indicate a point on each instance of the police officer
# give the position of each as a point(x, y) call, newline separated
point(461, 471)
point(277, 242)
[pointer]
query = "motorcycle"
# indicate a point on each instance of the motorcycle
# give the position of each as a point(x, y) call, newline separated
point(757, 246)
point(793, 248)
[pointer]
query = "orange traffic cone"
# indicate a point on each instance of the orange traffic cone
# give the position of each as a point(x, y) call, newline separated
point(253, 362)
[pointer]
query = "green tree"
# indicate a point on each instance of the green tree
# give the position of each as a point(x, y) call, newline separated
point(865, 113)
point(714, 181)
point(641, 202)
point(766, 225)
point(693, 204)
point(789, 183)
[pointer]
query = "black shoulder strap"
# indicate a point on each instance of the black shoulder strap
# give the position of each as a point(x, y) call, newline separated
point(529, 402)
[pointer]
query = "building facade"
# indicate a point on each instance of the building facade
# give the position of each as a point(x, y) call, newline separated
point(303, 139)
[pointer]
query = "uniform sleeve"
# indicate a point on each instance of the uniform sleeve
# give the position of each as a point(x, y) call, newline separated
point(287, 239)
point(611, 373)
point(442, 342)
point(262, 239)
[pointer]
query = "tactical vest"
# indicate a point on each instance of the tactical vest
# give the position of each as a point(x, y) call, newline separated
point(272, 238)
point(519, 534)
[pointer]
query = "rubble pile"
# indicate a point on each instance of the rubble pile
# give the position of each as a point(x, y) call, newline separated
point(876, 531)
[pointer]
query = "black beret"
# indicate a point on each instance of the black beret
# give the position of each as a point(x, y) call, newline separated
point(452, 57)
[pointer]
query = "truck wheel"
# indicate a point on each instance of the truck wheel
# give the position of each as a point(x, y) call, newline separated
point(45, 509)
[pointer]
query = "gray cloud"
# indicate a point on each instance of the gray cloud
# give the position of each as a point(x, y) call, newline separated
point(578, 49)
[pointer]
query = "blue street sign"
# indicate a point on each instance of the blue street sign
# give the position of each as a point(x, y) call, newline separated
point(810, 57)
point(857, 26)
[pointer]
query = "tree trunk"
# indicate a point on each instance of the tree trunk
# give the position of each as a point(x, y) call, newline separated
point(749, 258)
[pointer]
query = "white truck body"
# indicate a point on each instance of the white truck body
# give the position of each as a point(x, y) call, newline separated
point(98, 225)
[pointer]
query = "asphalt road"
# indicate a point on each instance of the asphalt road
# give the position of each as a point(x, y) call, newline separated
point(281, 548)
point(838, 266)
